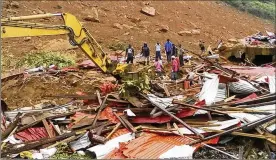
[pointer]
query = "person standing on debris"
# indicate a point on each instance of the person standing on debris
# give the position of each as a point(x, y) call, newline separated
point(174, 50)
point(146, 53)
point(219, 44)
point(181, 54)
point(158, 51)
point(190, 77)
point(158, 67)
point(168, 50)
point(201, 46)
point(129, 54)
point(174, 68)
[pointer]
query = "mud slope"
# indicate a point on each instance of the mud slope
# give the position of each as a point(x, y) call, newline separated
point(214, 19)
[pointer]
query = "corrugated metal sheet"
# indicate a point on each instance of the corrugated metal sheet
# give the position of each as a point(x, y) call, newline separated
point(253, 71)
point(242, 87)
point(31, 134)
point(164, 119)
point(119, 132)
point(151, 146)
point(221, 94)
point(271, 83)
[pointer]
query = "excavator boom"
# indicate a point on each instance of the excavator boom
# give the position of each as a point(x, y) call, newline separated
point(78, 36)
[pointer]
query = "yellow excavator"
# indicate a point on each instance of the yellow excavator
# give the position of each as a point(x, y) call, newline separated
point(78, 36)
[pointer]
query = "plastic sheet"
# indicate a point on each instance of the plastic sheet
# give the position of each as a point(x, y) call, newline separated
point(103, 149)
point(179, 152)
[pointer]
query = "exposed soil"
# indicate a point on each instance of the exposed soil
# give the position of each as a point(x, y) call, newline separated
point(25, 92)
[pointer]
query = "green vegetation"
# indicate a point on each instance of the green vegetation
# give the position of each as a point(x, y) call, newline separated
point(64, 152)
point(46, 59)
point(261, 8)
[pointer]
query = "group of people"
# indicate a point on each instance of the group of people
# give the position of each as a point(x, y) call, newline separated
point(174, 56)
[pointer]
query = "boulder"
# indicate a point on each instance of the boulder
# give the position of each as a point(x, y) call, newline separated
point(234, 41)
point(26, 39)
point(117, 25)
point(134, 20)
point(91, 19)
point(164, 28)
point(14, 4)
point(127, 33)
point(189, 33)
point(150, 11)
point(58, 7)
point(186, 33)
point(127, 26)
point(195, 32)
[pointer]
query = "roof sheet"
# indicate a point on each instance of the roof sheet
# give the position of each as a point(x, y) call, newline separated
point(150, 146)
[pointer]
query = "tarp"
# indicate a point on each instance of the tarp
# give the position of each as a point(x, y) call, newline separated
point(209, 89)
point(103, 149)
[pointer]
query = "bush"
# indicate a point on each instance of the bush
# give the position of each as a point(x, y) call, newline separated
point(261, 8)
point(46, 59)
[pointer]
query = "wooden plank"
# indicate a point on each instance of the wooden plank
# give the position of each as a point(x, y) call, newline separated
point(135, 102)
point(47, 127)
point(176, 127)
point(113, 131)
point(11, 127)
point(166, 90)
point(99, 97)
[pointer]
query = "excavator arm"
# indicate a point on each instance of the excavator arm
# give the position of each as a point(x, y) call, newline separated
point(78, 36)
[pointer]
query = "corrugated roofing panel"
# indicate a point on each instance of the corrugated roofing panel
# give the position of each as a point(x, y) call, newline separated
point(151, 146)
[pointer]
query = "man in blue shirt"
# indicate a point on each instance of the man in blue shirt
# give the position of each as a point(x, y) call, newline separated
point(168, 50)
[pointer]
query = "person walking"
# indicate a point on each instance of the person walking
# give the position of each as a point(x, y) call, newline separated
point(158, 51)
point(181, 54)
point(201, 46)
point(146, 53)
point(174, 68)
point(174, 50)
point(129, 54)
point(168, 49)
point(158, 67)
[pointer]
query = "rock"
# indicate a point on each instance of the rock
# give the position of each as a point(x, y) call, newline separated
point(195, 32)
point(186, 33)
point(58, 7)
point(11, 11)
point(224, 27)
point(117, 25)
point(150, 11)
point(96, 14)
point(134, 20)
point(26, 39)
point(164, 28)
point(194, 25)
point(127, 33)
point(189, 33)
point(14, 4)
point(146, 3)
point(91, 19)
point(127, 26)
point(233, 41)
point(40, 11)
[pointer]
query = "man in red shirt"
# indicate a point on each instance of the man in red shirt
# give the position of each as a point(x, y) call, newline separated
point(174, 68)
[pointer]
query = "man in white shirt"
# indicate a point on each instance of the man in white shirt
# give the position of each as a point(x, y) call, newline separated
point(158, 51)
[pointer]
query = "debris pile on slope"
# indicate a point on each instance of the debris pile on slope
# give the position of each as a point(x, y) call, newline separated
point(166, 119)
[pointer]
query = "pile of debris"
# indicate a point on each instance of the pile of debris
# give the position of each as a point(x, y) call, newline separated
point(172, 119)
